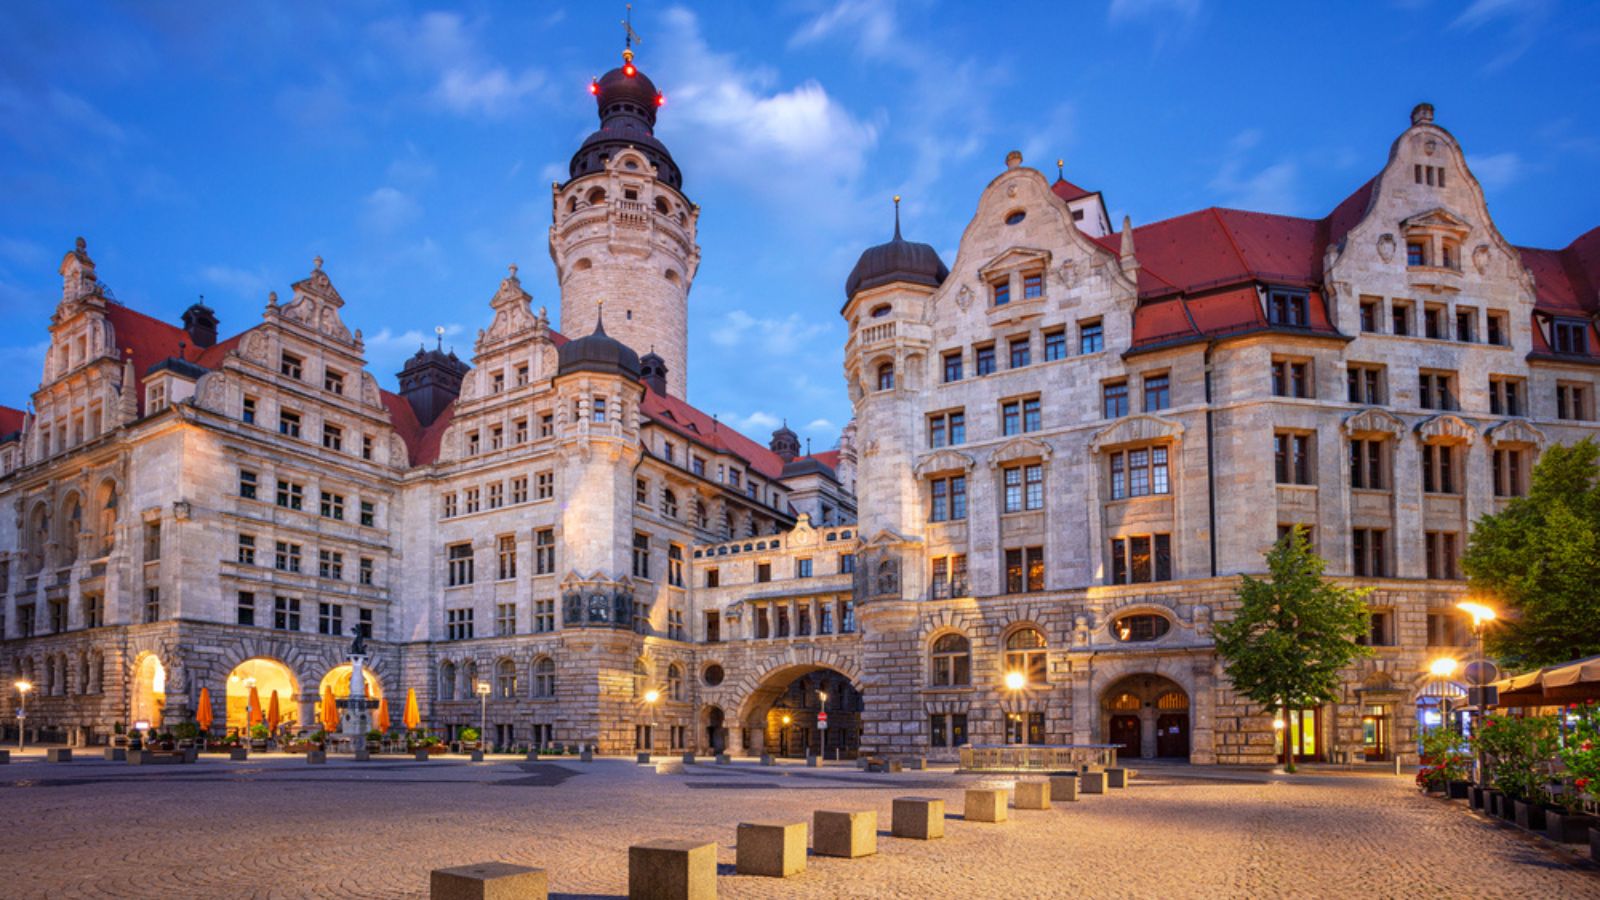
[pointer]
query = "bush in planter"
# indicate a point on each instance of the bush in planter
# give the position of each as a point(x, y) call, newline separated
point(1519, 750)
point(186, 731)
point(1580, 756)
point(1444, 762)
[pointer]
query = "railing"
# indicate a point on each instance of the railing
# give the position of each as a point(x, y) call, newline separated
point(633, 213)
point(873, 334)
point(1012, 757)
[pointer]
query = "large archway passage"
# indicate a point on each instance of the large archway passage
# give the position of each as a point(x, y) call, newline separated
point(797, 708)
point(1147, 716)
point(338, 678)
point(265, 676)
point(149, 690)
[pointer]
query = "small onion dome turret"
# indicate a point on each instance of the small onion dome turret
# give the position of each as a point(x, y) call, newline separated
point(597, 352)
point(627, 102)
point(898, 260)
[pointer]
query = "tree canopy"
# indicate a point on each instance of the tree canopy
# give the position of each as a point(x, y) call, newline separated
point(1539, 561)
point(1293, 632)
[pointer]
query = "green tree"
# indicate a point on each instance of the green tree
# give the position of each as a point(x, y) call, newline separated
point(1539, 559)
point(1293, 633)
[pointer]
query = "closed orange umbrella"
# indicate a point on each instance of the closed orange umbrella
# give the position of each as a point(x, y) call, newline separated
point(274, 716)
point(203, 714)
point(413, 716)
point(381, 720)
point(255, 707)
point(330, 712)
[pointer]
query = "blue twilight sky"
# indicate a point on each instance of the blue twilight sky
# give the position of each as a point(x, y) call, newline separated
point(214, 148)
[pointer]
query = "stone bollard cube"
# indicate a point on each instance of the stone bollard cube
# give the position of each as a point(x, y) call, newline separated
point(688, 759)
point(362, 756)
point(488, 881)
point(846, 834)
point(1064, 788)
point(5, 757)
point(919, 818)
point(642, 758)
point(1092, 782)
point(477, 756)
point(58, 755)
point(422, 756)
point(812, 762)
point(586, 756)
point(985, 805)
point(316, 757)
point(1116, 777)
point(918, 763)
point(767, 760)
point(724, 759)
point(894, 766)
point(773, 849)
point(238, 754)
point(116, 754)
point(1032, 795)
point(672, 870)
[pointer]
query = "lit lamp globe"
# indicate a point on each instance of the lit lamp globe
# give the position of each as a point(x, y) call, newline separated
point(1015, 681)
point(483, 689)
point(1443, 667)
point(652, 696)
point(1479, 612)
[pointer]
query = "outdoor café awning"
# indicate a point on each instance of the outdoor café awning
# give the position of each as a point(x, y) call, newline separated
point(1571, 682)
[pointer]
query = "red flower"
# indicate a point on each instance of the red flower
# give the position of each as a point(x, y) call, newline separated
point(1582, 783)
point(1586, 746)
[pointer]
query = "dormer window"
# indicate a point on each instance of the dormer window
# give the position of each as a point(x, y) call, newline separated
point(155, 398)
point(1569, 336)
point(1288, 308)
point(1002, 292)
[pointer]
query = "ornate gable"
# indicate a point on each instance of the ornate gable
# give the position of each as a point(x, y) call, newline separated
point(1373, 421)
point(1138, 429)
point(1015, 258)
point(1446, 429)
point(316, 306)
point(513, 316)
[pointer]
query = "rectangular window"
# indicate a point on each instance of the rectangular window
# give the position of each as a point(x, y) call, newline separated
point(505, 619)
point(1055, 344)
point(1157, 392)
point(948, 729)
point(94, 610)
point(291, 495)
point(1024, 488)
point(1139, 472)
point(1569, 336)
point(1024, 569)
point(1572, 402)
point(544, 551)
point(1369, 313)
point(598, 411)
point(1288, 308)
point(1366, 465)
point(152, 541)
point(1448, 629)
point(1141, 558)
point(447, 503)
point(1400, 318)
point(1441, 554)
point(675, 565)
point(1370, 552)
point(332, 437)
point(497, 383)
point(1021, 352)
point(547, 425)
point(1507, 472)
point(1438, 469)
point(288, 423)
point(1291, 378)
point(245, 608)
point(286, 614)
point(1416, 254)
point(286, 556)
point(947, 429)
point(522, 375)
point(1033, 286)
point(290, 365)
point(544, 485)
point(364, 622)
point(1292, 455)
point(763, 573)
point(544, 616)
point(330, 564)
point(952, 366)
point(332, 506)
point(1464, 329)
point(1000, 292)
point(497, 495)
point(1091, 336)
point(152, 605)
point(249, 411)
point(332, 381)
point(506, 556)
point(247, 484)
point(1433, 322)
point(470, 498)
point(364, 572)
point(1365, 384)
point(369, 513)
point(1011, 417)
point(1114, 399)
point(847, 563)
point(459, 560)
point(1505, 396)
point(1380, 629)
point(458, 624)
point(641, 555)
point(330, 618)
point(948, 499)
point(802, 568)
point(983, 359)
point(1498, 333)
point(1436, 390)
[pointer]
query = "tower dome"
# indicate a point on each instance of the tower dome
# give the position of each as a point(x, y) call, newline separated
point(627, 101)
point(897, 260)
point(597, 352)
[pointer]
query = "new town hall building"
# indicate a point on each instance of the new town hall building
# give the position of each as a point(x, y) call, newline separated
point(1065, 447)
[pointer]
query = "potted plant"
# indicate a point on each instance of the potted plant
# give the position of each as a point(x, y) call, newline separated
point(468, 739)
point(1444, 764)
point(1565, 821)
point(1522, 747)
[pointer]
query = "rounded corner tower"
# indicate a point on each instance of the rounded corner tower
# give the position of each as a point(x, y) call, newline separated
point(622, 231)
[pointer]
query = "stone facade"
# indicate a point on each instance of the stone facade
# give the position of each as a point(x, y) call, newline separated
point(1065, 449)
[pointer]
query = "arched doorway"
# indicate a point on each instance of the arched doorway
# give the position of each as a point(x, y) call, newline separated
point(713, 721)
point(1147, 717)
point(338, 678)
point(266, 676)
point(149, 690)
point(787, 715)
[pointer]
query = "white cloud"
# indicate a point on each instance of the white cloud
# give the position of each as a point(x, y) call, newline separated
point(1519, 24)
point(773, 337)
point(821, 425)
point(1168, 19)
point(494, 92)
point(1273, 188)
point(387, 339)
point(755, 423)
point(467, 80)
point(23, 253)
point(237, 281)
point(1497, 170)
point(870, 22)
point(389, 209)
point(412, 168)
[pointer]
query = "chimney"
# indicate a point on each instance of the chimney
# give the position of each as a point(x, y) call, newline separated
point(200, 321)
point(431, 381)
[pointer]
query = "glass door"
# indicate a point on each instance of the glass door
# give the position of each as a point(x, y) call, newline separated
point(1305, 738)
point(1375, 733)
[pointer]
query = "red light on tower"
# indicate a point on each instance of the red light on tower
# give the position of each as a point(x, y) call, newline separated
point(594, 87)
point(629, 70)
point(661, 99)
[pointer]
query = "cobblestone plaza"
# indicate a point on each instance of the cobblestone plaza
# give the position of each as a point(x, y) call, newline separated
point(273, 827)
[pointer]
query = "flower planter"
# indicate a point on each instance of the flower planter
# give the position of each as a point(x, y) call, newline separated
point(1477, 796)
point(1457, 790)
point(1568, 828)
point(1594, 844)
point(1529, 816)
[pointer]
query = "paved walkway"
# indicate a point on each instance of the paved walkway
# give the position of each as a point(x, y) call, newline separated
point(278, 828)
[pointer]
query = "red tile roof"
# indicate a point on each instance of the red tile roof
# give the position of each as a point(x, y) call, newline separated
point(1068, 191)
point(677, 415)
point(11, 420)
point(1567, 281)
point(829, 458)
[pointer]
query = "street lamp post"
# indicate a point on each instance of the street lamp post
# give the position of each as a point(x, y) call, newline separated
point(783, 736)
point(23, 687)
point(483, 689)
point(651, 698)
point(1481, 615)
point(1442, 670)
point(1015, 682)
point(822, 724)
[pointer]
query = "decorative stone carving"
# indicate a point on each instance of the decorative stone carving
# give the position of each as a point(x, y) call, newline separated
point(254, 345)
point(943, 461)
point(1386, 246)
point(964, 297)
point(1373, 421)
point(211, 393)
point(1019, 449)
point(1136, 429)
point(1480, 258)
point(1446, 429)
point(1515, 431)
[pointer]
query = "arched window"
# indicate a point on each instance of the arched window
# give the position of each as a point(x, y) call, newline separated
point(572, 204)
point(661, 206)
point(701, 521)
point(1140, 627)
point(505, 679)
point(886, 377)
point(1025, 653)
point(596, 197)
point(641, 678)
point(669, 504)
point(952, 661)
point(879, 312)
point(544, 677)
point(447, 681)
point(97, 673)
point(675, 681)
point(469, 680)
